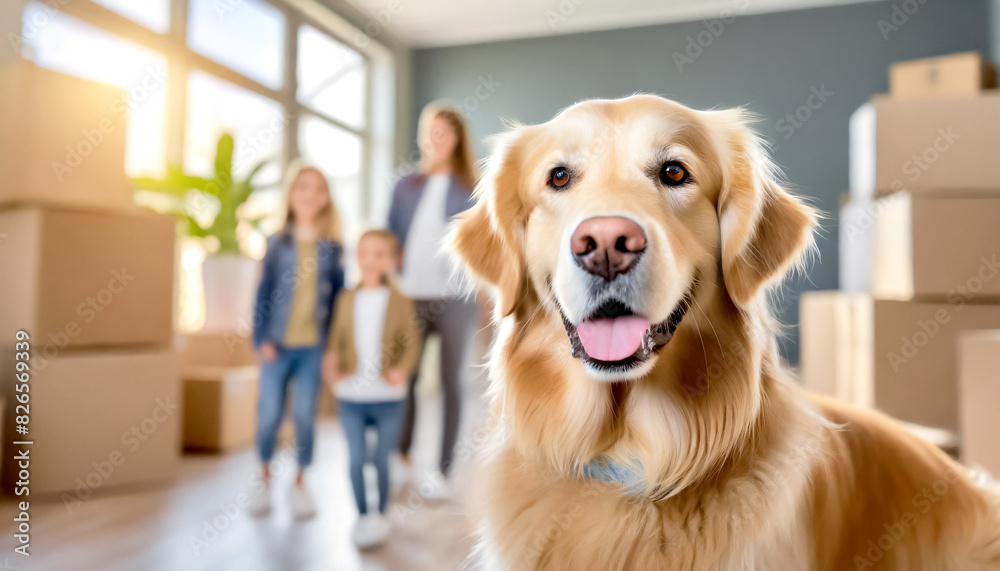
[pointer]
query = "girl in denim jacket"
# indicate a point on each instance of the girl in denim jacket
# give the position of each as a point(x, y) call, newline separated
point(300, 279)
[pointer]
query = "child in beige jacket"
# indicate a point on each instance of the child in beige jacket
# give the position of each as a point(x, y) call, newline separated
point(374, 349)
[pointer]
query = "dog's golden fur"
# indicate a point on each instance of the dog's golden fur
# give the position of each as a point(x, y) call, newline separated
point(740, 470)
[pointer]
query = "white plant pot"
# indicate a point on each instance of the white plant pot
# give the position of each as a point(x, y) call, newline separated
point(230, 283)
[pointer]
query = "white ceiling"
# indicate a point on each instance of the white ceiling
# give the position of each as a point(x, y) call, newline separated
point(432, 23)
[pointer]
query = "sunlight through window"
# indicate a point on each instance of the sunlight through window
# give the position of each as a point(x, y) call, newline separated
point(248, 36)
point(331, 77)
point(154, 14)
point(67, 45)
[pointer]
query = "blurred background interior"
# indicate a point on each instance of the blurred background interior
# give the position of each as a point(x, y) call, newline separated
point(141, 150)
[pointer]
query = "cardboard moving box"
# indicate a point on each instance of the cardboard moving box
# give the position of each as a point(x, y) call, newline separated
point(964, 74)
point(216, 350)
point(98, 420)
point(979, 397)
point(220, 407)
point(944, 245)
point(63, 140)
point(86, 279)
point(925, 144)
point(876, 247)
point(835, 341)
point(916, 361)
point(899, 356)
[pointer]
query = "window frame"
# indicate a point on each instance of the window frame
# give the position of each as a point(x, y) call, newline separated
point(182, 60)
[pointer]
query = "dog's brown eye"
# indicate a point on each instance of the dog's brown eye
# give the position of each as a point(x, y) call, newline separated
point(673, 174)
point(559, 178)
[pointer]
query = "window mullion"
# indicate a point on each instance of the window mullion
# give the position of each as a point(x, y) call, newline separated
point(290, 91)
point(363, 133)
point(102, 17)
point(367, 159)
point(177, 83)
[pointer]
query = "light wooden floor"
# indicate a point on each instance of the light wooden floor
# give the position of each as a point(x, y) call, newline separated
point(154, 528)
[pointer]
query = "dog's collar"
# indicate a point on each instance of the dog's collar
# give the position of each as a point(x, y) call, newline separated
point(604, 469)
point(627, 475)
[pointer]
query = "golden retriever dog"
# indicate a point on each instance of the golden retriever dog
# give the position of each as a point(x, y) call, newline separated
point(642, 418)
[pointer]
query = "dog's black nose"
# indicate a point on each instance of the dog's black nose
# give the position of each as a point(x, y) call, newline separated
point(607, 246)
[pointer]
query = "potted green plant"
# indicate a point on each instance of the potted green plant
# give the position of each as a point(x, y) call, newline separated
point(209, 208)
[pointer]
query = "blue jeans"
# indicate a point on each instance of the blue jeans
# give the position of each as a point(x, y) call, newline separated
point(386, 417)
point(302, 364)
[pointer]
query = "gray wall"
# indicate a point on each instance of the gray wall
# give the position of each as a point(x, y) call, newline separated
point(769, 63)
point(995, 27)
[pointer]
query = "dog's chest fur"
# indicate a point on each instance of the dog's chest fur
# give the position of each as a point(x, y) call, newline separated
point(535, 519)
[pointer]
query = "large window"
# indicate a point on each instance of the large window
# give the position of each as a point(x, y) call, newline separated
point(266, 72)
point(275, 74)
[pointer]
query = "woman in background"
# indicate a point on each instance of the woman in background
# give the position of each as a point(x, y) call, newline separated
point(300, 279)
point(422, 206)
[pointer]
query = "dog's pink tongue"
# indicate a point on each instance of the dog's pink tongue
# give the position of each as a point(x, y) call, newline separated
point(612, 338)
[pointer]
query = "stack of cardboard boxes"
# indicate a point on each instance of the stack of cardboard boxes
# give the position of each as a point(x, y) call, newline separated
point(220, 379)
point(919, 248)
point(89, 276)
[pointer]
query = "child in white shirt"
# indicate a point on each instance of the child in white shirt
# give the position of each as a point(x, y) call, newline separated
point(374, 349)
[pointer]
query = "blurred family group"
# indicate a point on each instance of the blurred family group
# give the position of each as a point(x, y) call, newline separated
point(365, 343)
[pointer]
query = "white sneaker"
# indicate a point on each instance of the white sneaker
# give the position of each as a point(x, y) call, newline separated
point(371, 531)
point(260, 503)
point(303, 506)
point(434, 487)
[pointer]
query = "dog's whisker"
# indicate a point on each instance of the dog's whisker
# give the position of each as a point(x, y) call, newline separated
point(704, 352)
point(712, 325)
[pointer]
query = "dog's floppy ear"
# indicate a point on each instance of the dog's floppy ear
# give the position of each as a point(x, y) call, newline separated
point(765, 230)
point(488, 237)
